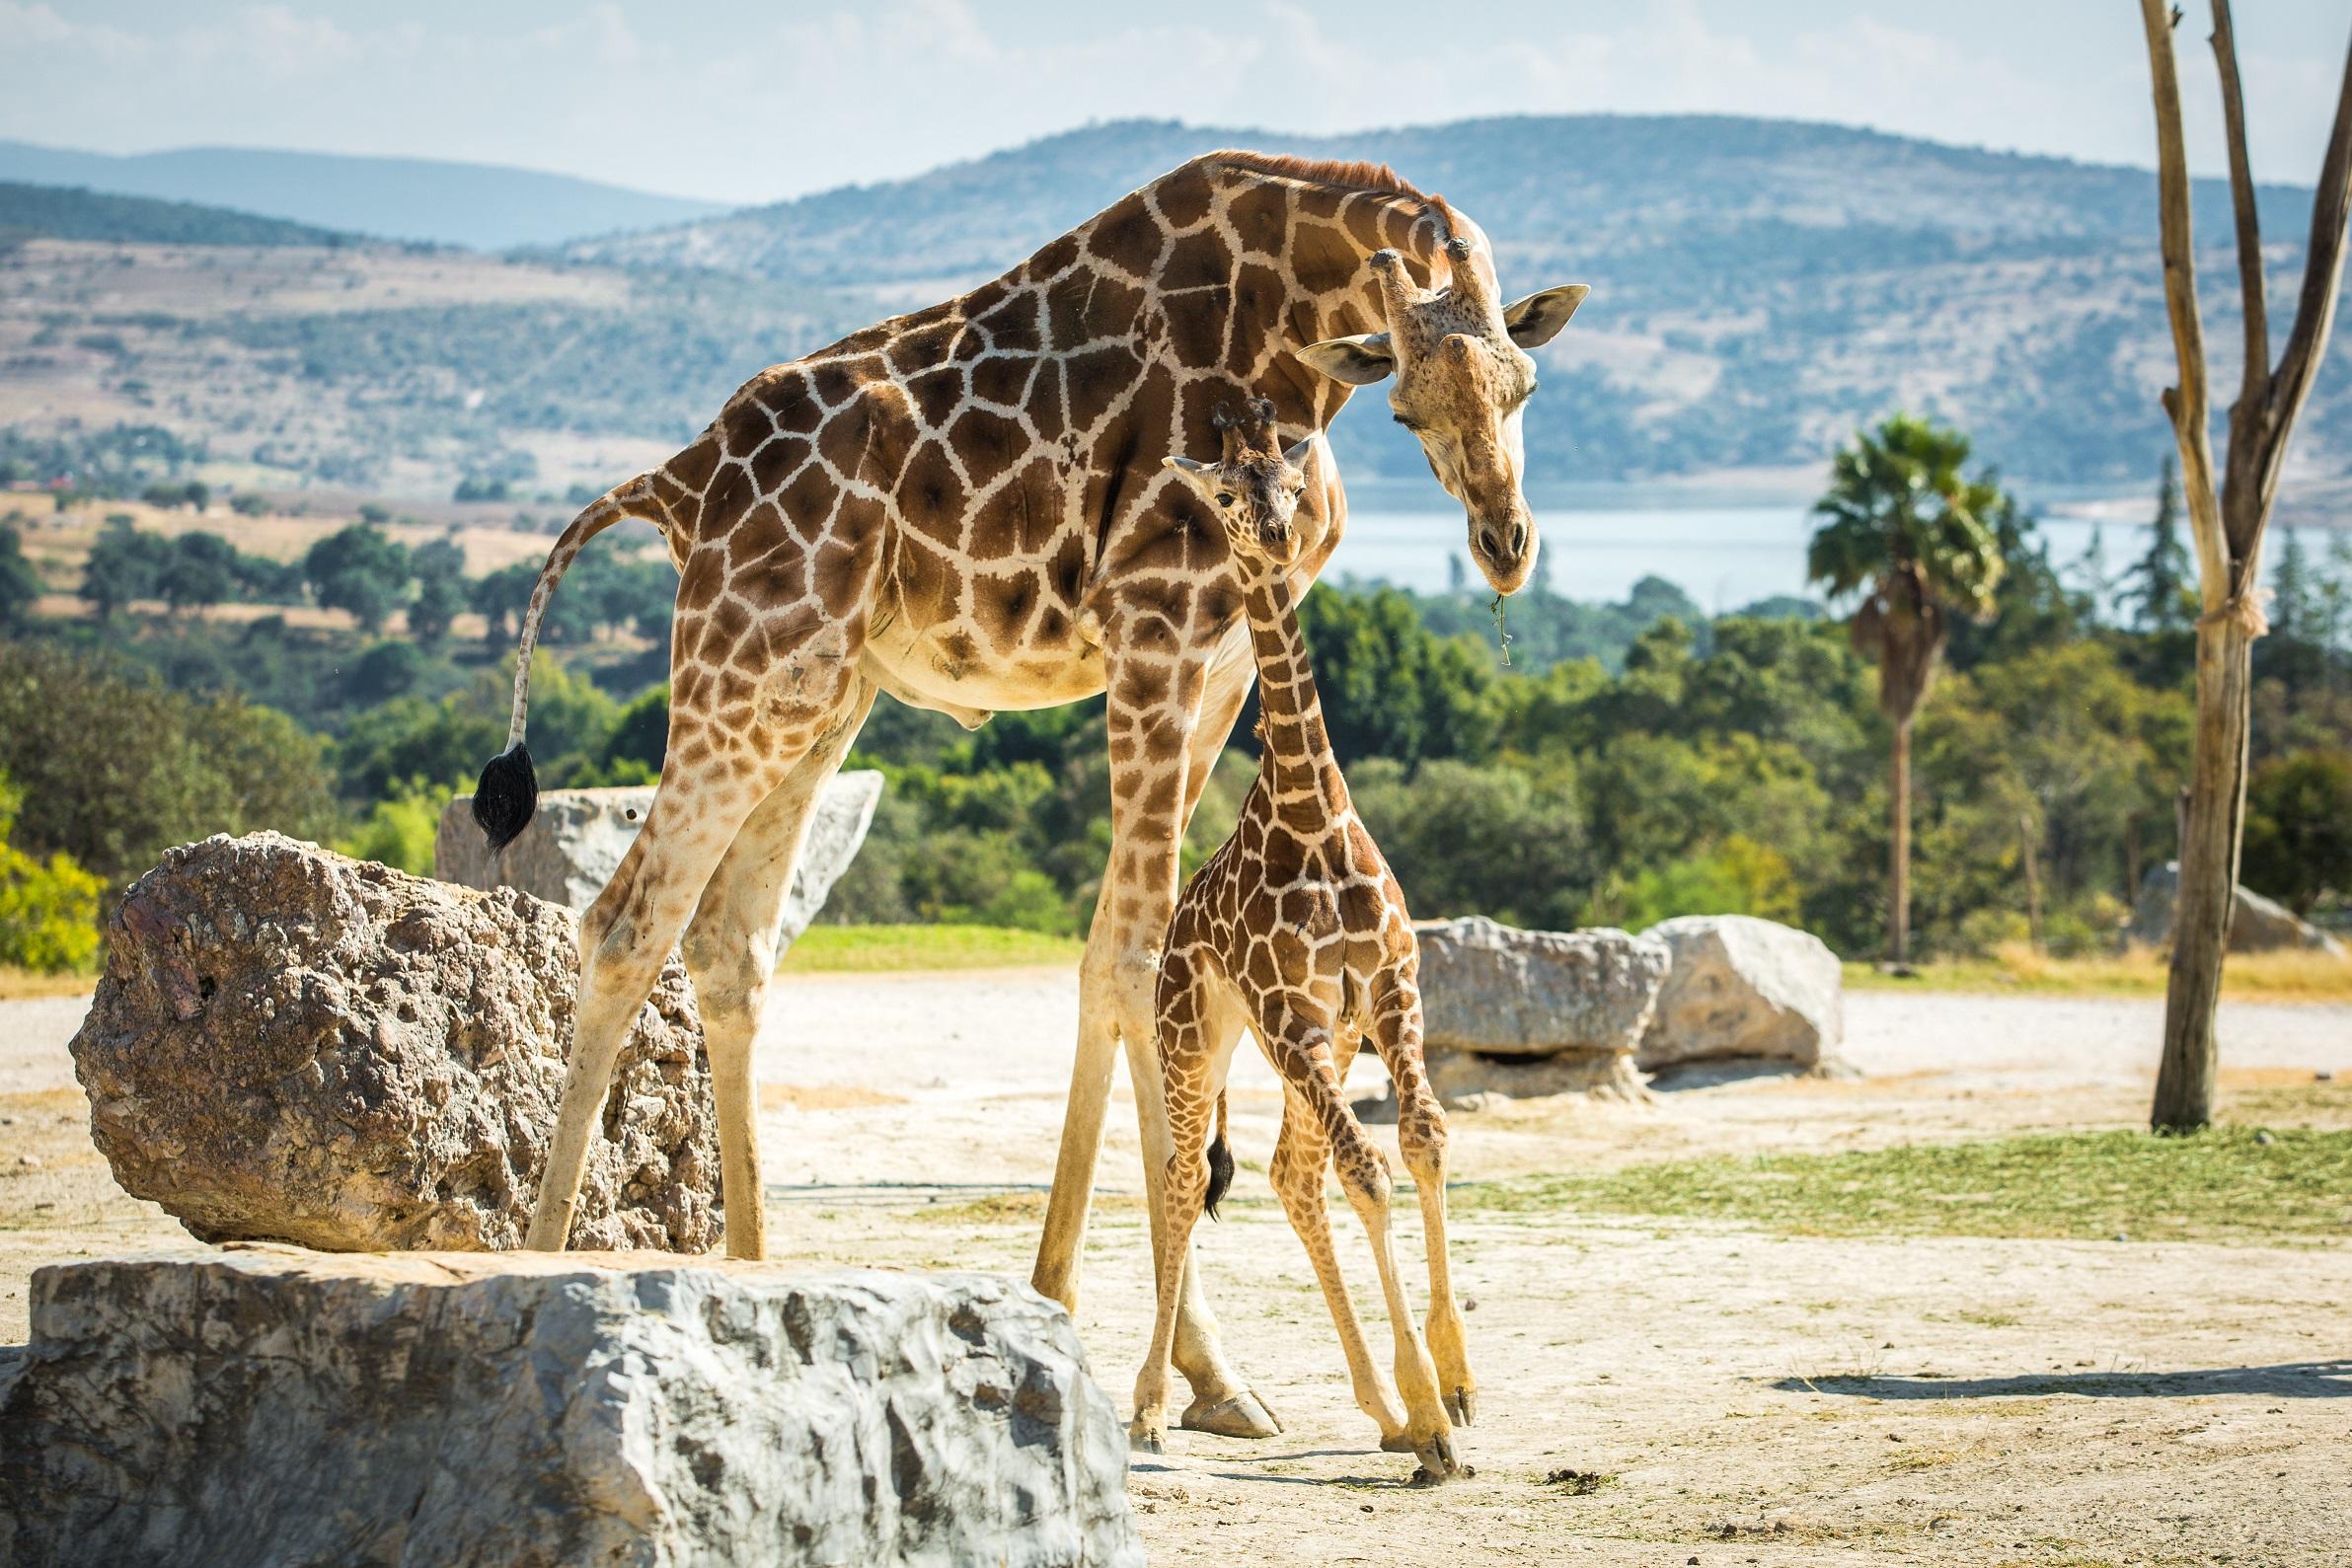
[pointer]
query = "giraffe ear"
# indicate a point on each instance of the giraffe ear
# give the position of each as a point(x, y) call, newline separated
point(1196, 476)
point(1538, 319)
point(1297, 456)
point(1358, 361)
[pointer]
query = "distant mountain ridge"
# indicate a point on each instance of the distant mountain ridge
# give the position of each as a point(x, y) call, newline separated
point(1551, 181)
point(483, 206)
point(53, 212)
point(1761, 288)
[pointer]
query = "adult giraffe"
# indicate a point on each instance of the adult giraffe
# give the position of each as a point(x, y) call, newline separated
point(966, 507)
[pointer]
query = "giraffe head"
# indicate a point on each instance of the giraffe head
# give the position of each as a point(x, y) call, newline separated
point(1463, 378)
point(1253, 487)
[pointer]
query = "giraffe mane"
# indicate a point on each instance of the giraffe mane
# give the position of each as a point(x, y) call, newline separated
point(1345, 174)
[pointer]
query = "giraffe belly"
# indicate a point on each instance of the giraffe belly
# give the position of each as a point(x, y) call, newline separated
point(948, 668)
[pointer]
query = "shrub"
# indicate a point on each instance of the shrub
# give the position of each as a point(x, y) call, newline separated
point(399, 831)
point(49, 909)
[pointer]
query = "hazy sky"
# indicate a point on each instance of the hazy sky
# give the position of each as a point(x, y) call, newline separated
point(754, 100)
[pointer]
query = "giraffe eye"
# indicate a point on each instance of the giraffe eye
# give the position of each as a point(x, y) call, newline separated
point(1225, 498)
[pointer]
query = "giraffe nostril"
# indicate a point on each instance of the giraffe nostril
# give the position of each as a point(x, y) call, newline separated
point(1489, 543)
point(1518, 538)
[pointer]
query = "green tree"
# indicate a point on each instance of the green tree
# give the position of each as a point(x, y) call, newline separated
point(1906, 532)
point(200, 570)
point(2298, 829)
point(501, 597)
point(124, 564)
point(359, 570)
point(2160, 588)
point(114, 768)
point(2293, 607)
point(20, 584)
point(440, 568)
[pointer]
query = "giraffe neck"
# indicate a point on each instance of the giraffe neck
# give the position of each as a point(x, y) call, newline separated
point(1301, 774)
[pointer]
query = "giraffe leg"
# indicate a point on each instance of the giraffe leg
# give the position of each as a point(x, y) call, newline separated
point(624, 939)
point(1421, 1138)
point(729, 746)
point(1160, 758)
point(730, 950)
point(1194, 1063)
point(1303, 1053)
point(1302, 1157)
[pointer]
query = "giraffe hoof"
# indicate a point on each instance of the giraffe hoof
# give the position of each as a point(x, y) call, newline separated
point(1462, 1407)
point(1242, 1415)
point(1438, 1462)
point(1399, 1442)
point(1146, 1437)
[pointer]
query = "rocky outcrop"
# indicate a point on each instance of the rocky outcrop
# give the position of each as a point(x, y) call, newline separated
point(1535, 1012)
point(2257, 925)
point(576, 839)
point(1743, 987)
point(269, 1405)
point(290, 1045)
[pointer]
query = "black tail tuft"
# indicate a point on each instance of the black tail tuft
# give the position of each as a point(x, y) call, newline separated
point(1220, 1173)
point(506, 796)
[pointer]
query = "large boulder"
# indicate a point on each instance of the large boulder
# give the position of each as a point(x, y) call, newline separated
point(289, 1045)
point(1535, 1012)
point(269, 1405)
point(1743, 987)
point(576, 839)
point(2257, 925)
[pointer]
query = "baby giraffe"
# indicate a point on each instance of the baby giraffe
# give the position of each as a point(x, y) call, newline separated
point(1295, 932)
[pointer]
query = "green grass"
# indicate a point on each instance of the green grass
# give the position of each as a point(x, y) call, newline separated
point(872, 949)
point(2221, 1185)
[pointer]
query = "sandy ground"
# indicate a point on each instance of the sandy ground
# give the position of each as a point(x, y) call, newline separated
point(1744, 1398)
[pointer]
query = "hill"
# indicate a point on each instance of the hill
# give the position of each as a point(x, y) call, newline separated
point(480, 205)
point(1760, 285)
point(1761, 288)
point(54, 213)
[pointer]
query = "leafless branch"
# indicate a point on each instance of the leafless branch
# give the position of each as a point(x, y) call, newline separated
point(2185, 403)
point(2253, 394)
point(2315, 312)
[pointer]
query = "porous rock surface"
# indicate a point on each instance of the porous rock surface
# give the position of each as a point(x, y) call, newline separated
point(1747, 988)
point(1528, 1012)
point(290, 1045)
point(269, 1405)
point(576, 838)
point(1495, 988)
point(2257, 925)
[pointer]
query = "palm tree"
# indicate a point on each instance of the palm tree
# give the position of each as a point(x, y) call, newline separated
point(1906, 532)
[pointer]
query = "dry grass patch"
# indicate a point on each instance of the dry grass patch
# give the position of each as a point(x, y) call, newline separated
point(875, 949)
point(23, 985)
point(2138, 972)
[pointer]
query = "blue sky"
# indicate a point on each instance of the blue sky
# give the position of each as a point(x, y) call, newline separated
point(752, 101)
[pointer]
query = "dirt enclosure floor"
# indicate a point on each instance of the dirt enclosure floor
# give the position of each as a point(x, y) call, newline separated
point(1654, 1389)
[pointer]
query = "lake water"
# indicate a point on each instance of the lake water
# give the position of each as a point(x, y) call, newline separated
point(1724, 556)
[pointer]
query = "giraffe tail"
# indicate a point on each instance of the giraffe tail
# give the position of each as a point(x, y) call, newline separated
point(509, 792)
point(1219, 1162)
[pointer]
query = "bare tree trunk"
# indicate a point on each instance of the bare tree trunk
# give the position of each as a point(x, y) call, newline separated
point(1898, 912)
point(2228, 520)
point(2026, 838)
point(2131, 859)
point(2184, 1079)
